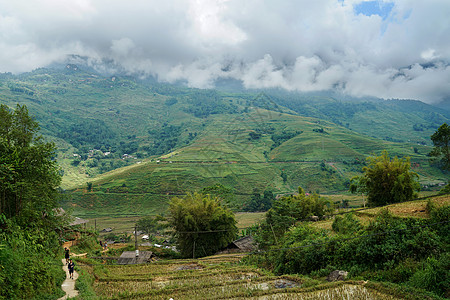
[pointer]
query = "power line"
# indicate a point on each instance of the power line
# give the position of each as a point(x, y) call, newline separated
point(292, 248)
point(323, 217)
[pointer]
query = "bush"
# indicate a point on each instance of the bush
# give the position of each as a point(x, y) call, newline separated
point(86, 243)
point(410, 252)
point(346, 225)
point(434, 276)
point(29, 265)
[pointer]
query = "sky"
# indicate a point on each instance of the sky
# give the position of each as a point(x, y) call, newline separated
point(385, 48)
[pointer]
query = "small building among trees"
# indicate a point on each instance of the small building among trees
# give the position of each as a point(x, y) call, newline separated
point(130, 257)
point(245, 244)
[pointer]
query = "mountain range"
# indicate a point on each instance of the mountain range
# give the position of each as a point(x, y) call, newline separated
point(126, 145)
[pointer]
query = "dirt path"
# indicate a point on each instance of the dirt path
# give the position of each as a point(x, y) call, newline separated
point(68, 285)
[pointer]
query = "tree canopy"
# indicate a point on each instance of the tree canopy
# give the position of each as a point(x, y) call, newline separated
point(386, 180)
point(441, 142)
point(287, 211)
point(202, 225)
point(29, 175)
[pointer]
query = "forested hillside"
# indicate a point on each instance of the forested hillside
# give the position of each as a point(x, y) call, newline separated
point(176, 139)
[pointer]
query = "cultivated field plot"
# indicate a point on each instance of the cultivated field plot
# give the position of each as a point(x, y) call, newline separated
point(219, 277)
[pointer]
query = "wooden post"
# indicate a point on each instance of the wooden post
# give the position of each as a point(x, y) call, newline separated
point(135, 241)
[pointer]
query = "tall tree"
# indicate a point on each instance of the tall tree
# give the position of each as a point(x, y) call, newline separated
point(386, 181)
point(441, 142)
point(29, 175)
point(202, 225)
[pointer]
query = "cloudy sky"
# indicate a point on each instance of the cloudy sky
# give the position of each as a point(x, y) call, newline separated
point(384, 48)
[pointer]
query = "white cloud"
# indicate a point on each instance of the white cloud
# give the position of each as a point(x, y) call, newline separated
point(293, 44)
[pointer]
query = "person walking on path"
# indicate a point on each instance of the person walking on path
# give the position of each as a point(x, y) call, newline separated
point(66, 255)
point(68, 286)
point(71, 266)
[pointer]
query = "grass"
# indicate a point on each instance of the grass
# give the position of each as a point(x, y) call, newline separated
point(247, 219)
point(410, 209)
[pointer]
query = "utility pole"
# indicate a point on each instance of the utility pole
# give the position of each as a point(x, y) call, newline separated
point(135, 241)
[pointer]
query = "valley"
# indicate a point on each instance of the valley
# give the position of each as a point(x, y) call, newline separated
point(126, 149)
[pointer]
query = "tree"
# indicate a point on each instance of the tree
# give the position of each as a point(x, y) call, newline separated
point(258, 203)
point(202, 225)
point(287, 211)
point(150, 224)
point(441, 142)
point(386, 181)
point(29, 175)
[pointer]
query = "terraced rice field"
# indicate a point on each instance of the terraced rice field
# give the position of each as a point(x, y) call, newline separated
point(220, 277)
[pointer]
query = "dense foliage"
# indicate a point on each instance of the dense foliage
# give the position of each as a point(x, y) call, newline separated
point(260, 203)
point(386, 181)
point(150, 224)
point(29, 175)
point(411, 252)
point(29, 178)
point(287, 211)
point(202, 225)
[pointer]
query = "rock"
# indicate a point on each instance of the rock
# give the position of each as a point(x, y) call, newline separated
point(314, 218)
point(285, 284)
point(337, 275)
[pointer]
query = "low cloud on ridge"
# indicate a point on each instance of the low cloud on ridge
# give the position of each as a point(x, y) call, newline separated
point(295, 45)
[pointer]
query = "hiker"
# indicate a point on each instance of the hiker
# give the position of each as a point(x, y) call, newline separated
point(70, 267)
point(66, 255)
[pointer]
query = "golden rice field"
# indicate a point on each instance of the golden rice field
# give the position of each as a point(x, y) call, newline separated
point(219, 277)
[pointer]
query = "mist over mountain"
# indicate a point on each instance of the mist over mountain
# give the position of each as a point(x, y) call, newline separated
point(384, 49)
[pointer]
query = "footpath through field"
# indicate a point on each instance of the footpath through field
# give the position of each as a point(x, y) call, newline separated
point(68, 285)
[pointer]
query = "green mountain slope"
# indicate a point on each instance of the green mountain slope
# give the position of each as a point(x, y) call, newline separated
point(393, 120)
point(153, 141)
point(318, 156)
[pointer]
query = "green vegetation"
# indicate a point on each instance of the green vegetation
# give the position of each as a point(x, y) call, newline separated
point(287, 211)
point(96, 120)
point(223, 156)
point(29, 224)
point(260, 203)
point(387, 181)
point(198, 155)
point(441, 142)
point(405, 251)
point(150, 225)
point(197, 220)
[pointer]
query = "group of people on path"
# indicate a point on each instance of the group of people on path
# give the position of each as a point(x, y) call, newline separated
point(70, 264)
point(104, 245)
